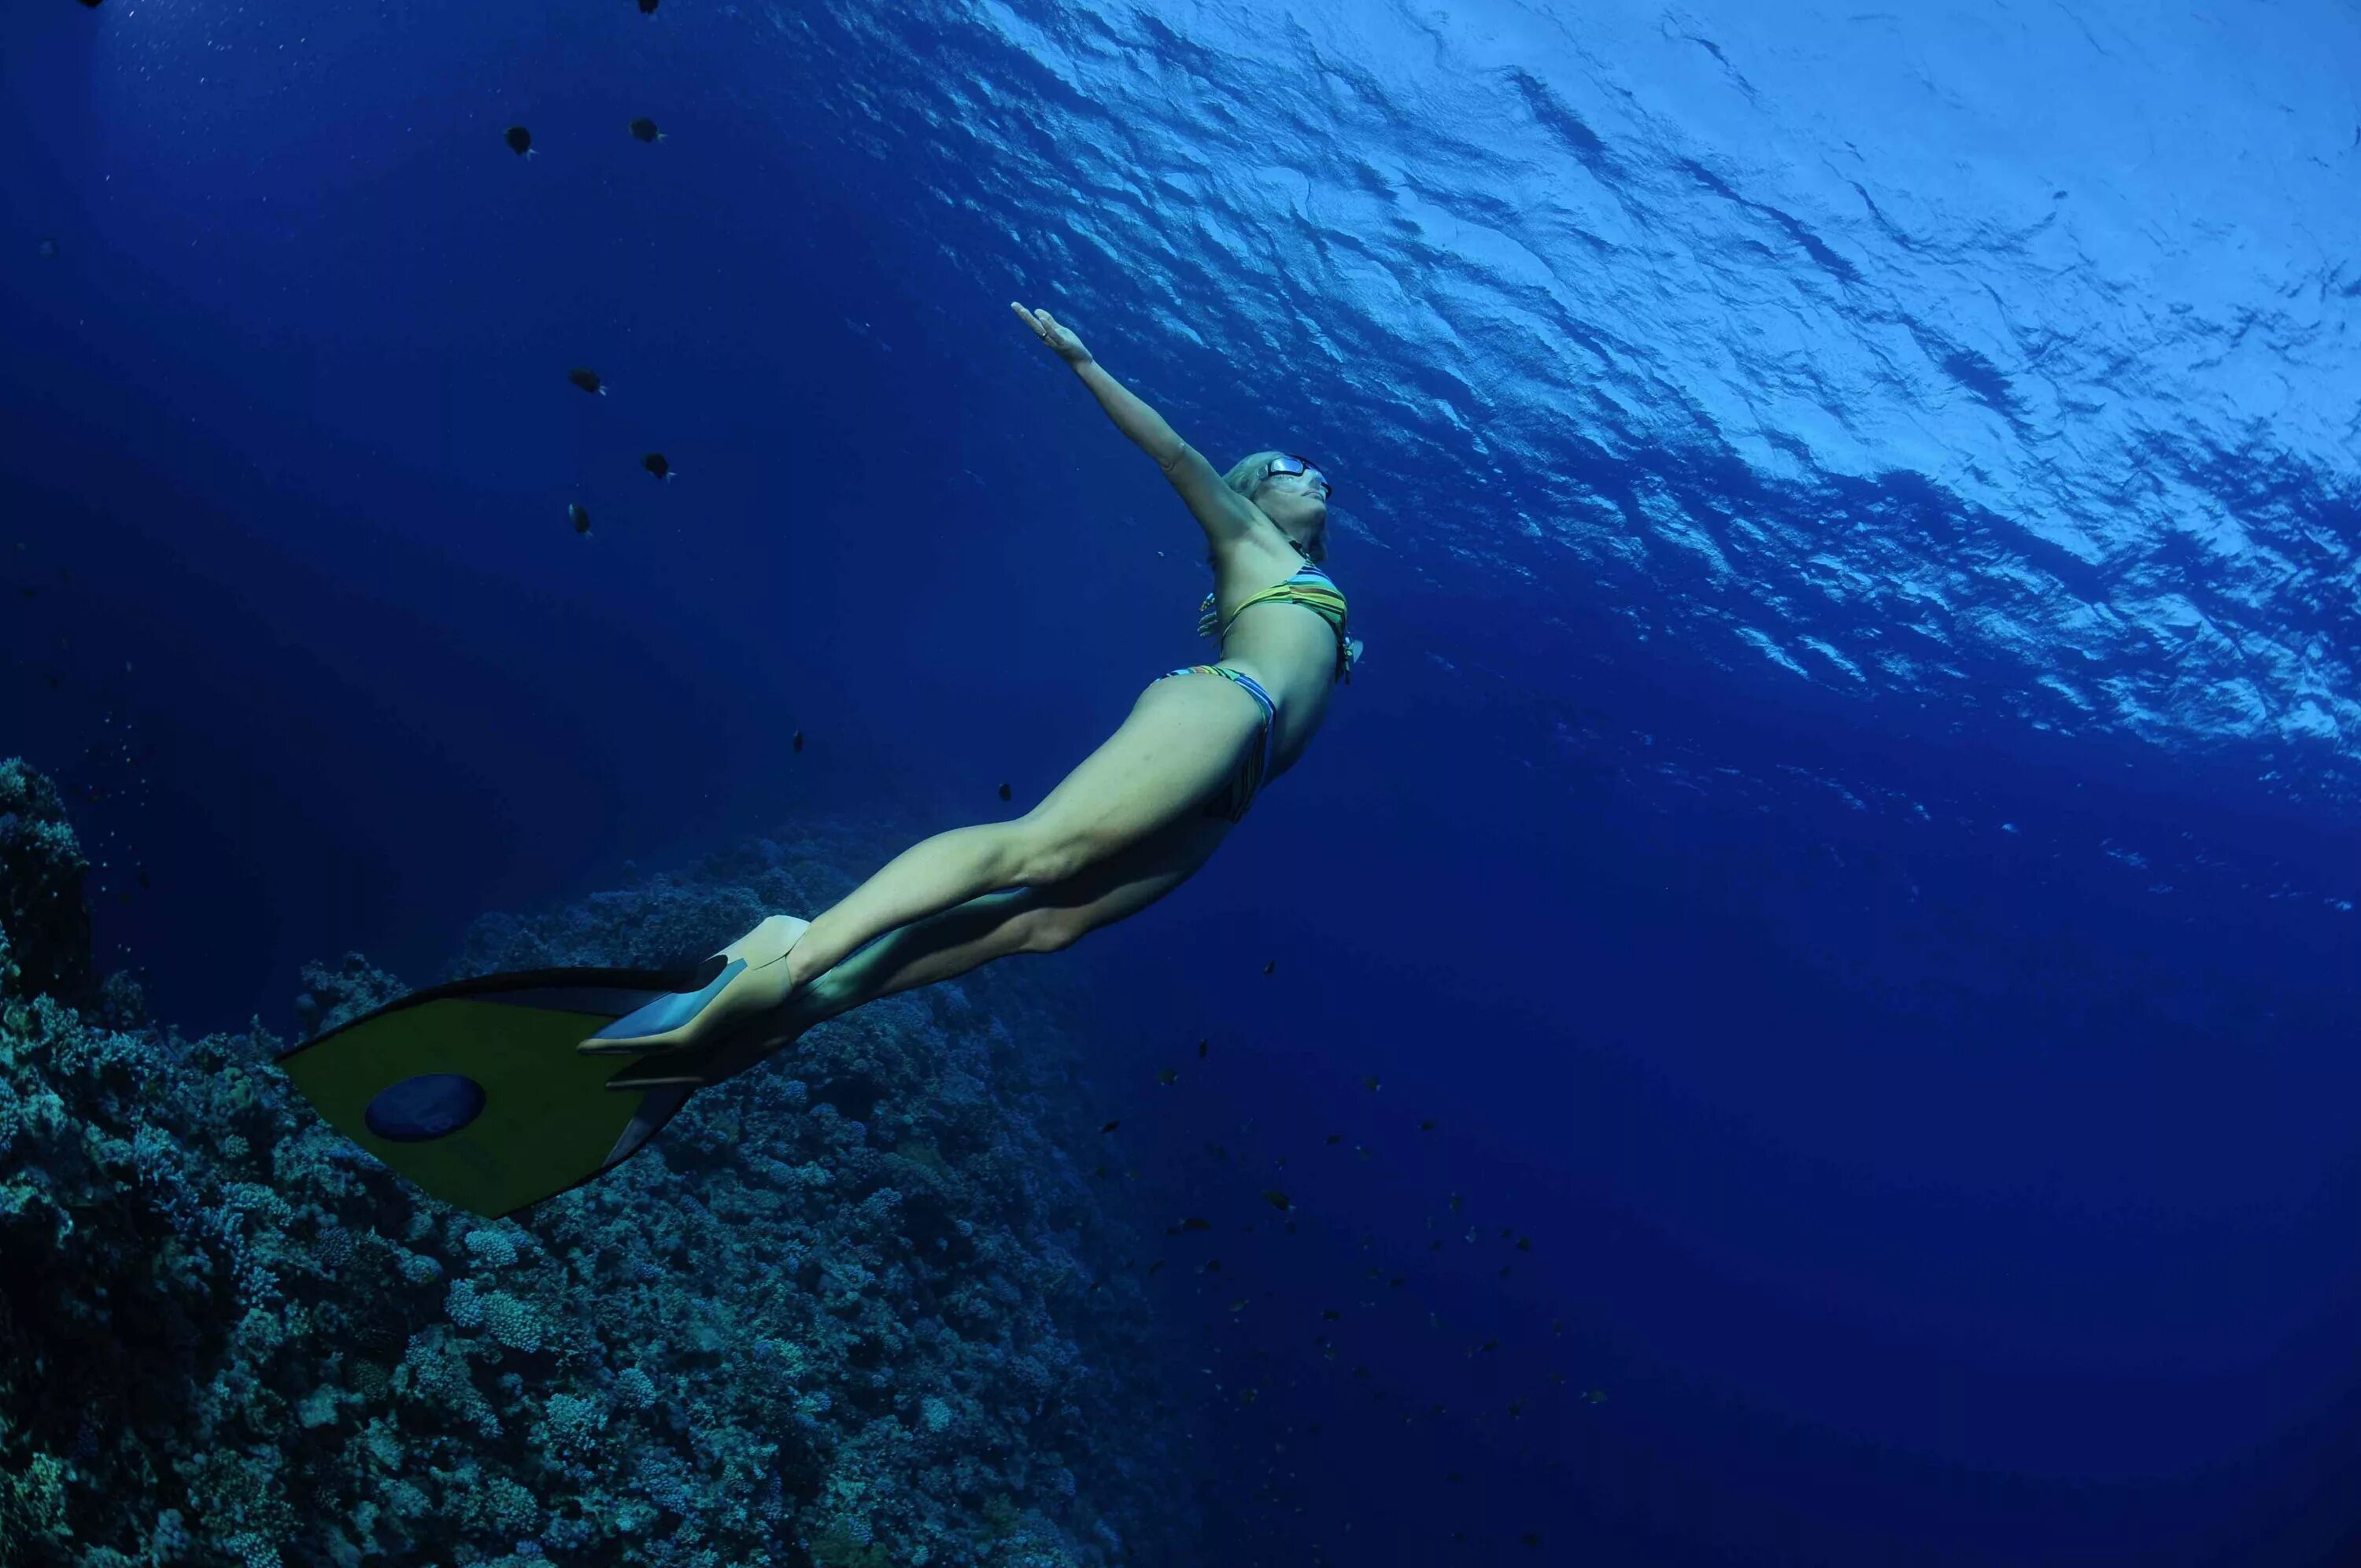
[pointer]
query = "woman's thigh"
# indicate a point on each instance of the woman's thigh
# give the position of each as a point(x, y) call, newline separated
point(1183, 741)
point(1062, 913)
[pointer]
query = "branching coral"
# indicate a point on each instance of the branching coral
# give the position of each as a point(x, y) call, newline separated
point(840, 1313)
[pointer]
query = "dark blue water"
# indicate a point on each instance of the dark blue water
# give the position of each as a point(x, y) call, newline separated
point(1844, 825)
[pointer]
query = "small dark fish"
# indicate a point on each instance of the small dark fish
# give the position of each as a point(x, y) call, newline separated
point(90, 5)
point(1557, 1325)
point(1277, 1199)
point(656, 464)
point(1330, 1315)
point(1270, 966)
point(1154, 1266)
point(1507, 1231)
point(1335, 1137)
point(799, 740)
point(1454, 1202)
point(1396, 1282)
point(1488, 1347)
point(1504, 1271)
point(1239, 1305)
point(1524, 1244)
point(1099, 1170)
point(1531, 1537)
point(1165, 1075)
point(520, 141)
point(1369, 1082)
point(581, 516)
point(647, 7)
point(49, 247)
point(1434, 1247)
point(645, 129)
point(1594, 1395)
point(1426, 1126)
point(1211, 1266)
point(1200, 1050)
point(1193, 1223)
point(1004, 792)
point(1109, 1126)
point(587, 378)
point(144, 881)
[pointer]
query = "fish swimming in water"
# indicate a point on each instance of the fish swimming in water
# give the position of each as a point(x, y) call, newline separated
point(645, 129)
point(588, 380)
point(658, 463)
point(520, 141)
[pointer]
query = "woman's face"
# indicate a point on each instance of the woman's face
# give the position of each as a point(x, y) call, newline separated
point(1297, 502)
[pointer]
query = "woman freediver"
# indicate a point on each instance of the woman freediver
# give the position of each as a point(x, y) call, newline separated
point(1132, 822)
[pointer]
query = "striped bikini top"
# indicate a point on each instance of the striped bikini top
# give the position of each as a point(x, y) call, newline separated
point(1312, 589)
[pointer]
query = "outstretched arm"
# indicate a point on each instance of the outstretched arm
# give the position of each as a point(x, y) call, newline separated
point(1135, 419)
point(1225, 515)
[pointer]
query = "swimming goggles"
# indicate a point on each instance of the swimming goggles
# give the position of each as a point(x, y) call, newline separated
point(1288, 463)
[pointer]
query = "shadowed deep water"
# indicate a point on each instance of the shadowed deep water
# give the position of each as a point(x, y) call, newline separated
point(1844, 824)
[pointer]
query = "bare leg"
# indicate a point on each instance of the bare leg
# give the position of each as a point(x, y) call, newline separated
point(950, 943)
point(937, 876)
point(943, 945)
point(1024, 920)
point(1181, 741)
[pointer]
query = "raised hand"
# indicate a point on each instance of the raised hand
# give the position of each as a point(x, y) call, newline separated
point(1062, 341)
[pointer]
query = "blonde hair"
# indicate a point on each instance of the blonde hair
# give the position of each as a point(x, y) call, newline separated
point(1247, 473)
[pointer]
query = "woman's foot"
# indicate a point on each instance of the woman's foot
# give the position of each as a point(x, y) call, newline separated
point(701, 1067)
point(735, 986)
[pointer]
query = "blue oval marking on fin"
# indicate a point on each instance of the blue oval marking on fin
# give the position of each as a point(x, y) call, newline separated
point(432, 1105)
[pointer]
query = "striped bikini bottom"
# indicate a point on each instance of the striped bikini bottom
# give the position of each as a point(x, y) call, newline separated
point(1232, 802)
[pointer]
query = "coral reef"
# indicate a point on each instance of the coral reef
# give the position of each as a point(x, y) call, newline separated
point(855, 1307)
point(45, 949)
